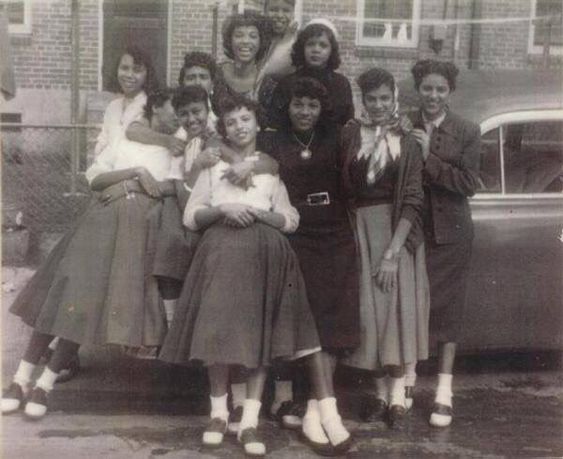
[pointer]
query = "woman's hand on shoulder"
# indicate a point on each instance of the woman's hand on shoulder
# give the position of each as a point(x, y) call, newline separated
point(148, 182)
point(176, 146)
point(239, 215)
point(208, 158)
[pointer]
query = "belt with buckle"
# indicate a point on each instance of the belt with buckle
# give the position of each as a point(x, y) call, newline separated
point(318, 199)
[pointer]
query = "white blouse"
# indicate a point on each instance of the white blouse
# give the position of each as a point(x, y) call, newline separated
point(268, 194)
point(117, 118)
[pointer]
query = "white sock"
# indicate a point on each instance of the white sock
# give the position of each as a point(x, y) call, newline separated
point(239, 394)
point(410, 374)
point(47, 380)
point(283, 392)
point(397, 391)
point(169, 308)
point(53, 343)
point(332, 422)
point(23, 374)
point(312, 427)
point(444, 390)
point(219, 407)
point(250, 412)
point(381, 388)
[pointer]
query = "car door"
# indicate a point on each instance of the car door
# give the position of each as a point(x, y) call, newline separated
point(515, 291)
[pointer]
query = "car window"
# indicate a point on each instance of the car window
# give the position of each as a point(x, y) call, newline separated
point(490, 163)
point(533, 157)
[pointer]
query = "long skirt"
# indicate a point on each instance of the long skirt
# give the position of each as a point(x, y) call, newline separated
point(96, 285)
point(448, 267)
point(330, 268)
point(243, 302)
point(394, 325)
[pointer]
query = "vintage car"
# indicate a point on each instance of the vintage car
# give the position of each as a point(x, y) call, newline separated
point(515, 291)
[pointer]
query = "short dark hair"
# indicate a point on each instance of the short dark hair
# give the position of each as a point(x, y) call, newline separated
point(140, 57)
point(157, 99)
point(427, 66)
point(315, 30)
point(267, 3)
point(374, 78)
point(198, 59)
point(234, 102)
point(247, 19)
point(185, 95)
point(307, 87)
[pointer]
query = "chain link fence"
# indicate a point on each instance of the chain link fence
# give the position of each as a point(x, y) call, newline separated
point(43, 175)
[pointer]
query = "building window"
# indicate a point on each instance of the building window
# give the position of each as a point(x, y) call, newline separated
point(541, 30)
point(392, 23)
point(19, 15)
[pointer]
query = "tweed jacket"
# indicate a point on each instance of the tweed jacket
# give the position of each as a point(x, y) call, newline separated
point(450, 176)
point(408, 196)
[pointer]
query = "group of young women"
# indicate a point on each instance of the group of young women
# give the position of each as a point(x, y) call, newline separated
point(247, 221)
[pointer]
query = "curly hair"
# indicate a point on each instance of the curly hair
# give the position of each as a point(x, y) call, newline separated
point(140, 57)
point(185, 95)
point(313, 31)
point(427, 66)
point(234, 102)
point(307, 87)
point(157, 99)
point(248, 19)
point(198, 59)
point(374, 78)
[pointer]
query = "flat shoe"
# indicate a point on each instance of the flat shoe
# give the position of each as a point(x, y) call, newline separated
point(214, 433)
point(36, 406)
point(290, 415)
point(396, 417)
point(373, 410)
point(234, 421)
point(342, 447)
point(322, 449)
point(12, 399)
point(441, 416)
point(253, 446)
point(68, 373)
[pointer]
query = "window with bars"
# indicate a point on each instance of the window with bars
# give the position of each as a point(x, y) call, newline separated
point(391, 23)
point(18, 13)
point(548, 28)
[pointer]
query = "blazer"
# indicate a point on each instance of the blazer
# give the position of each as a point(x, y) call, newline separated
point(408, 198)
point(450, 176)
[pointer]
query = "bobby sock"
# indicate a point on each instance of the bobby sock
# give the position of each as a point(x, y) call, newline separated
point(169, 307)
point(250, 412)
point(397, 391)
point(219, 407)
point(410, 374)
point(381, 388)
point(444, 389)
point(332, 422)
point(47, 380)
point(23, 374)
point(312, 427)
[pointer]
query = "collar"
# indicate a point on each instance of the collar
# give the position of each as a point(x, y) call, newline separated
point(437, 122)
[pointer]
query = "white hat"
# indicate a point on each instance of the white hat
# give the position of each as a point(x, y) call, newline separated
point(325, 22)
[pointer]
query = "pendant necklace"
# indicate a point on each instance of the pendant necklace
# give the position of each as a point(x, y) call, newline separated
point(306, 153)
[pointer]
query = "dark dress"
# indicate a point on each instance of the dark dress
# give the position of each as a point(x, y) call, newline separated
point(341, 103)
point(450, 176)
point(324, 241)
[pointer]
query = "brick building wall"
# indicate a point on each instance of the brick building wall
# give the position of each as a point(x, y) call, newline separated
point(42, 59)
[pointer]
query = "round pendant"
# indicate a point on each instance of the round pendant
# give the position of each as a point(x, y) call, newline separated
point(306, 154)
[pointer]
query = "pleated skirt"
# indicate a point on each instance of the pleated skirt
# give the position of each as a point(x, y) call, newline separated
point(393, 325)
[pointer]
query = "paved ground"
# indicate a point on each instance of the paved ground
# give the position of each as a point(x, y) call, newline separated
point(506, 406)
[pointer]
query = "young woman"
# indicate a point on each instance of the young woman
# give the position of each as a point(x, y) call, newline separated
point(244, 302)
point(307, 150)
point(246, 39)
point(95, 287)
point(451, 151)
point(383, 173)
point(316, 54)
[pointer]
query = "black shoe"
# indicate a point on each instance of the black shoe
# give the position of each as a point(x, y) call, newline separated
point(441, 416)
point(36, 406)
point(12, 399)
point(396, 417)
point(373, 410)
point(234, 420)
point(290, 415)
point(68, 373)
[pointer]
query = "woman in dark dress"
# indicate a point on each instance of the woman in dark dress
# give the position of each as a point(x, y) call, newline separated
point(307, 150)
point(315, 54)
point(451, 150)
